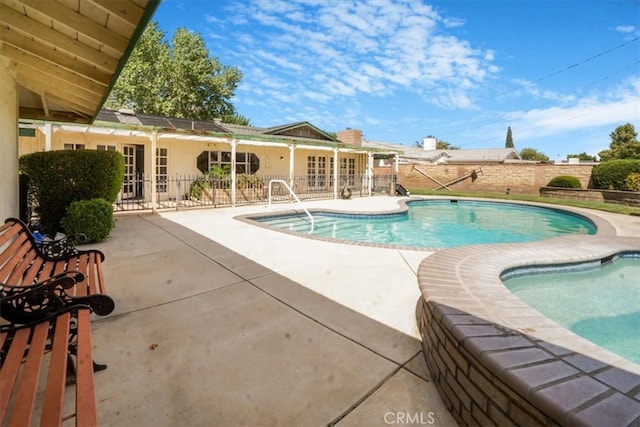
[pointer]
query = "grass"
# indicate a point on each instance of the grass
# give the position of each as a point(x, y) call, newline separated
point(588, 204)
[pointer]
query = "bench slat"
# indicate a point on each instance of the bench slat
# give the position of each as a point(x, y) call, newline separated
point(86, 410)
point(52, 408)
point(11, 366)
point(10, 258)
point(28, 388)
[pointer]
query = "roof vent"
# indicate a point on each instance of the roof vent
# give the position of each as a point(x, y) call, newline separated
point(127, 111)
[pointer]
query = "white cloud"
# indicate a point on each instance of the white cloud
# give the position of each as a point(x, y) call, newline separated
point(618, 107)
point(360, 47)
point(625, 29)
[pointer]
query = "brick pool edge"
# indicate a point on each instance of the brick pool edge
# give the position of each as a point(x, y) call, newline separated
point(497, 361)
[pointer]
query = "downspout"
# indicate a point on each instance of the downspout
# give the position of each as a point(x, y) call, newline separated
point(154, 177)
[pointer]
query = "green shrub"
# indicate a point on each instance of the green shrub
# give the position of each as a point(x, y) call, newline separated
point(62, 177)
point(93, 218)
point(611, 175)
point(198, 187)
point(632, 182)
point(249, 181)
point(565, 181)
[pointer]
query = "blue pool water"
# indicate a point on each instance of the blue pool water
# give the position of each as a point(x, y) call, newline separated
point(600, 302)
point(441, 224)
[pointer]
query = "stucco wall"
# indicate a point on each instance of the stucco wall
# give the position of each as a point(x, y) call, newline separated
point(517, 177)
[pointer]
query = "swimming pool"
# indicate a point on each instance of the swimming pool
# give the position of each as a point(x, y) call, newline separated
point(598, 300)
point(439, 224)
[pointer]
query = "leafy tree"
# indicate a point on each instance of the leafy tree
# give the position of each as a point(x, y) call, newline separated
point(235, 119)
point(624, 144)
point(582, 156)
point(509, 142)
point(533, 154)
point(443, 145)
point(176, 79)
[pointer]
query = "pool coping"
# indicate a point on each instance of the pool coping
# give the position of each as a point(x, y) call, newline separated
point(603, 227)
point(476, 332)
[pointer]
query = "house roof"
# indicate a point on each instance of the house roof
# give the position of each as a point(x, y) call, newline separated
point(490, 155)
point(130, 118)
point(66, 55)
point(293, 131)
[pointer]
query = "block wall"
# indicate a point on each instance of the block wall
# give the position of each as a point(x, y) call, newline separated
point(515, 177)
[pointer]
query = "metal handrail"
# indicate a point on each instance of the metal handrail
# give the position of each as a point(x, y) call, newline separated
point(280, 181)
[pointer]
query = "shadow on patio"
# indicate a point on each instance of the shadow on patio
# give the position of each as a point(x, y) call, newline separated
point(204, 336)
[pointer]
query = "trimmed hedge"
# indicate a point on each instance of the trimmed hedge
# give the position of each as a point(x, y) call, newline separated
point(93, 218)
point(565, 181)
point(611, 175)
point(62, 177)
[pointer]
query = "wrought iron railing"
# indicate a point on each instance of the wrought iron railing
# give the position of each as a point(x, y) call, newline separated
point(189, 191)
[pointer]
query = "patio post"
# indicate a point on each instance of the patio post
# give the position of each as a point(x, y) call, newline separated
point(336, 169)
point(369, 172)
point(234, 146)
point(9, 114)
point(154, 177)
point(292, 149)
point(48, 136)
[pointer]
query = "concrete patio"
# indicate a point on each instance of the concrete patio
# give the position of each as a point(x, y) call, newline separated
point(220, 322)
point(204, 336)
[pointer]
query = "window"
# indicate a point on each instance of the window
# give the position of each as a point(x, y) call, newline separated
point(246, 163)
point(316, 171)
point(162, 170)
point(347, 171)
point(74, 146)
point(106, 147)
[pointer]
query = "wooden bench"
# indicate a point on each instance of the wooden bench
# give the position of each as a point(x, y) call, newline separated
point(23, 261)
point(58, 330)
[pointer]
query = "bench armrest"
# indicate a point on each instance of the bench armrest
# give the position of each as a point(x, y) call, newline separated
point(61, 248)
point(27, 304)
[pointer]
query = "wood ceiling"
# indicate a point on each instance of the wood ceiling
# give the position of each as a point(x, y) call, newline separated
point(66, 54)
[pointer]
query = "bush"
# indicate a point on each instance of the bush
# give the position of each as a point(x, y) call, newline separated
point(565, 181)
point(611, 175)
point(198, 187)
point(632, 182)
point(62, 177)
point(93, 218)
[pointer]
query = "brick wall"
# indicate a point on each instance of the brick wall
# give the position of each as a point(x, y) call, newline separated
point(517, 177)
point(473, 395)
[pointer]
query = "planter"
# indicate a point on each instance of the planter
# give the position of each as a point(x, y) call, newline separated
point(631, 198)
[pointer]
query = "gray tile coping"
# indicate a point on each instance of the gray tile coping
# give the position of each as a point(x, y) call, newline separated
point(564, 376)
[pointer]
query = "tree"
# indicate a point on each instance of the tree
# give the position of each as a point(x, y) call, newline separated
point(176, 79)
point(235, 119)
point(533, 154)
point(624, 144)
point(509, 143)
point(582, 156)
point(443, 145)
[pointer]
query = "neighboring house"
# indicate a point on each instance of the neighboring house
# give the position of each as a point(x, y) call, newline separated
point(428, 154)
point(169, 154)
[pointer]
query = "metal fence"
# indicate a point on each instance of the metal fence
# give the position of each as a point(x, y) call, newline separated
point(189, 191)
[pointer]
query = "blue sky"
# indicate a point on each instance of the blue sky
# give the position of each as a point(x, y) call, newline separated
point(562, 74)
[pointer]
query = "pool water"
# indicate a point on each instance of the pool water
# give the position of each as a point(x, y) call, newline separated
point(441, 224)
point(600, 302)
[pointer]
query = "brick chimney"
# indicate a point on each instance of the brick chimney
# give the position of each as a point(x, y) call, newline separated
point(350, 136)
